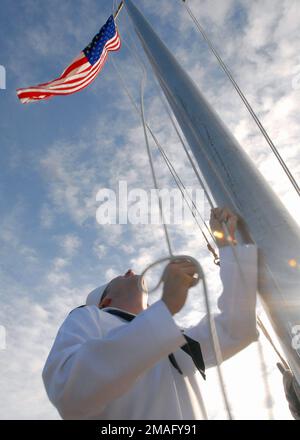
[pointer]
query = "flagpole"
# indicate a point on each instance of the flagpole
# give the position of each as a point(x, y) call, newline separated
point(234, 180)
point(118, 10)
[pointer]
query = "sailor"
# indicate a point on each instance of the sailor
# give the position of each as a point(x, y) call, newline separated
point(118, 358)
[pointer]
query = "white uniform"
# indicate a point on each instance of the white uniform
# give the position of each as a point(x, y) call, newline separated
point(101, 367)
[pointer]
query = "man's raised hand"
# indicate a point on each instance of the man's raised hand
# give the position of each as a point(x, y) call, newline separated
point(178, 278)
point(224, 235)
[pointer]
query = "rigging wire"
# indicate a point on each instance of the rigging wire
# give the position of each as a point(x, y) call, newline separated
point(187, 151)
point(196, 171)
point(144, 78)
point(173, 172)
point(151, 162)
point(167, 160)
point(171, 167)
point(245, 101)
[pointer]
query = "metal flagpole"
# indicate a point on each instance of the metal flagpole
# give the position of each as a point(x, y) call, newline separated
point(235, 181)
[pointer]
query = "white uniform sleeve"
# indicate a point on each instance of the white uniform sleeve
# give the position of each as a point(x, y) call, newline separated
point(236, 322)
point(86, 370)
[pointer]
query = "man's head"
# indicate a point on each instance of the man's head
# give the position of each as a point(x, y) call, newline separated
point(123, 293)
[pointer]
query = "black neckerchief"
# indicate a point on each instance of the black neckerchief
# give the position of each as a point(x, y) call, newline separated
point(192, 347)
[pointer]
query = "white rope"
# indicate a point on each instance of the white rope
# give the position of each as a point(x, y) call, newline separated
point(152, 165)
point(196, 171)
point(212, 326)
point(176, 177)
point(215, 340)
point(227, 192)
point(213, 332)
point(171, 168)
point(187, 152)
point(172, 258)
point(245, 101)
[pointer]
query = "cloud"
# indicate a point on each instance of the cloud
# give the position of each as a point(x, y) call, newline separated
point(70, 244)
point(53, 250)
point(46, 217)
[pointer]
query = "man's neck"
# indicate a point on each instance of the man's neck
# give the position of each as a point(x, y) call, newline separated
point(118, 310)
point(133, 309)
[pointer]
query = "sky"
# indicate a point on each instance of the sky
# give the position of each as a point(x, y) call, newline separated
point(56, 155)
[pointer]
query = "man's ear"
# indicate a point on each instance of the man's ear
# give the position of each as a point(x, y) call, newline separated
point(106, 302)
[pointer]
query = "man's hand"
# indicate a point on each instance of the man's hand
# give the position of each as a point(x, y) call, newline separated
point(178, 278)
point(219, 216)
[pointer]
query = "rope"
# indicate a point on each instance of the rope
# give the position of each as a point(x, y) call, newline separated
point(179, 182)
point(173, 258)
point(245, 101)
point(181, 186)
point(227, 192)
point(171, 168)
point(143, 67)
point(212, 327)
point(187, 153)
point(151, 163)
point(234, 205)
point(174, 126)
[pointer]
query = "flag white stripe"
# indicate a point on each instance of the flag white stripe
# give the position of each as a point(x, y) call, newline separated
point(63, 92)
point(83, 74)
point(60, 83)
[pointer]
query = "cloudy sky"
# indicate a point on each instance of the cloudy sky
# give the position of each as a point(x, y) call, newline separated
point(56, 155)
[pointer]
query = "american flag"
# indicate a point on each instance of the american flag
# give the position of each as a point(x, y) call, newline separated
point(82, 71)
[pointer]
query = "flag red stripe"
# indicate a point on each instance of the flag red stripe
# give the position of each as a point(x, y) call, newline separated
point(74, 78)
point(33, 94)
point(42, 90)
point(74, 65)
point(60, 82)
point(115, 45)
